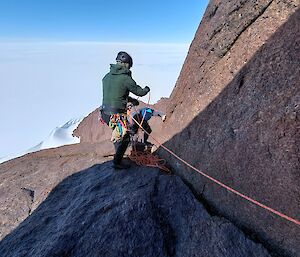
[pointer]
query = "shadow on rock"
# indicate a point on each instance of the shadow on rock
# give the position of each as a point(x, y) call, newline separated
point(248, 138)
point(138, 212)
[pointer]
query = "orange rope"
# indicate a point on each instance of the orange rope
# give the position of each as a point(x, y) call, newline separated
point(222, 184)
point(147, 106)
point(140, 123)
point(143, 158)
point(147, 159)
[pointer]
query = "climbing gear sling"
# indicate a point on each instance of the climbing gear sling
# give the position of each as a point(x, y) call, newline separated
point(119, 124)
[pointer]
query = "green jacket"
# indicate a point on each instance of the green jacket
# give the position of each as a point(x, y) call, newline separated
point(116, 87)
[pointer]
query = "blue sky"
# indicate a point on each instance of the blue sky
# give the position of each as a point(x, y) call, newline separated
point(101, 20)
point(54, 53)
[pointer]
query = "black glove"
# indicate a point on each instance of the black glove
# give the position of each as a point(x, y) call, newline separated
point(134, 101)
point(147, 88)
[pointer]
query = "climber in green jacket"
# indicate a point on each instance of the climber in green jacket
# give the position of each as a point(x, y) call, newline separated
point(117, 84)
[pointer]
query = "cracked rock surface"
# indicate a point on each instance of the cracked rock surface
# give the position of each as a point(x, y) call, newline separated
point(26, 181)
point(235, 114)
point(138, 212)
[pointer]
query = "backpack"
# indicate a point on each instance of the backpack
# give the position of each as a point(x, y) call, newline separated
point(147, 113)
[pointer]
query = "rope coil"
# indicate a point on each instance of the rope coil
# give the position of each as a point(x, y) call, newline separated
point(148, 159)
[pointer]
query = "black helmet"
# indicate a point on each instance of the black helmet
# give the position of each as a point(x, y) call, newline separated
point(124, 57)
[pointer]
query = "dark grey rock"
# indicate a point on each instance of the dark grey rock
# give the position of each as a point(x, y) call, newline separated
point(237, 117)
point(138, 212)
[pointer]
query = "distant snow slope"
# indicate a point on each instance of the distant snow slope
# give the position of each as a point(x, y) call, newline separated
point(62, 135)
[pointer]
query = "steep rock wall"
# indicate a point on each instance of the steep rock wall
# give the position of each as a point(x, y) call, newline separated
point(235, 109)
point(229, 35)
point(234, 113)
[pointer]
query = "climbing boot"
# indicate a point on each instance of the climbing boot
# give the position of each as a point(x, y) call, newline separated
point(121, 166)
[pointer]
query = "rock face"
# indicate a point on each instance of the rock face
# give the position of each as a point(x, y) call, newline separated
point(230, 33)
point(234, 113)
point(91, 130)
point(235, 109)
point(140, 212)
point(26, 181)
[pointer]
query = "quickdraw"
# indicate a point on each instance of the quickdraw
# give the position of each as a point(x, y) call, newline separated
point(119, 124)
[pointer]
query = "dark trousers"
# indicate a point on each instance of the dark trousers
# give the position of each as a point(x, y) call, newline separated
point(121, 146)
point(145, 126)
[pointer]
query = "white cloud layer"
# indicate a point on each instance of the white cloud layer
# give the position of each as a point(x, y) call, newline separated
point(45, 84)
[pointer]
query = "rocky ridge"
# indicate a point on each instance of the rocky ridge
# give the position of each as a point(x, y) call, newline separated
point(235, 106)
point(139, 212)
point(27, 181)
